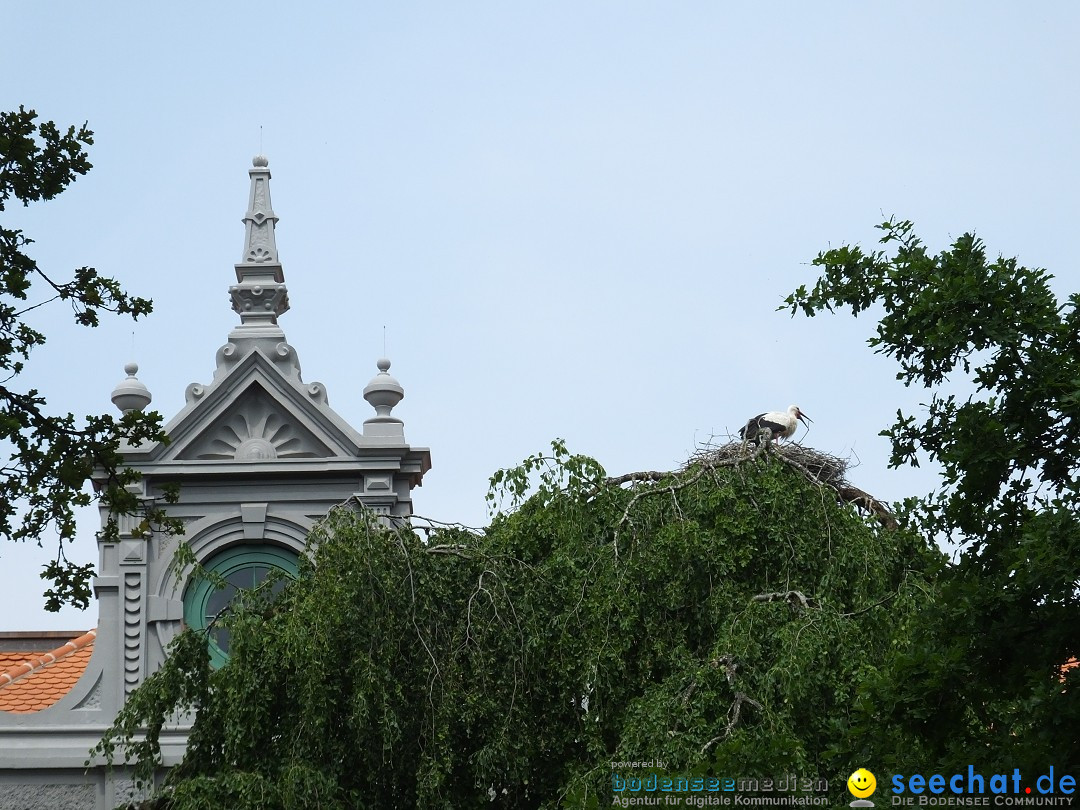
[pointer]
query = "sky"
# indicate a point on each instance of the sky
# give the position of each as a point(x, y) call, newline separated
point(564, 220)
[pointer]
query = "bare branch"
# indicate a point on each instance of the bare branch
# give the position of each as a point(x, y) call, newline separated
point(733, 720)
point(649, 475)
point(729, 665)
point(794, 597)
point(456, 549)
point(854, 495)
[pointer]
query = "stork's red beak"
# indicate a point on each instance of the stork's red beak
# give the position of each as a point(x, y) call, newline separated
point(804, 417)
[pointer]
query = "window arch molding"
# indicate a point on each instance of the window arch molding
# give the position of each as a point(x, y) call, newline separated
point(206, 541)
point(280, 544)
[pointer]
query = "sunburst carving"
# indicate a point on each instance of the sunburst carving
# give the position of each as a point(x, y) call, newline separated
point(256, 431)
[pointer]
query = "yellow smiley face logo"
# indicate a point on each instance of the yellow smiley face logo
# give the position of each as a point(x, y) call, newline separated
point(861, 783)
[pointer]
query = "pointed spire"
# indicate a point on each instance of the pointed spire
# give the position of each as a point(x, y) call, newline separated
point(259, 296)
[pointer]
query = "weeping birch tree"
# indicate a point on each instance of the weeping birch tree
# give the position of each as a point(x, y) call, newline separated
point(719, 618)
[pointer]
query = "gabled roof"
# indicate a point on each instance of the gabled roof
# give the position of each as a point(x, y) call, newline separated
point(31, 681)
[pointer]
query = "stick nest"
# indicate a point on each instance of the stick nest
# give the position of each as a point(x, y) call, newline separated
point(818, 467)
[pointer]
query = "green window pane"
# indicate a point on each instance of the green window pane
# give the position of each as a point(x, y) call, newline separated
point(218, 601)
point(242, 567)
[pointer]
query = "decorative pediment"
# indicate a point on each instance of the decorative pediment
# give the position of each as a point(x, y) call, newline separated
point(256, 409)
point(255, 427)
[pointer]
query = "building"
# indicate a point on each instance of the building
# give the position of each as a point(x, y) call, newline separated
point(259, 457)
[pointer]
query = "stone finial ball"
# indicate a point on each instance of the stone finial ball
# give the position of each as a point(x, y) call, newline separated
point(260, 162)
point(131, 394)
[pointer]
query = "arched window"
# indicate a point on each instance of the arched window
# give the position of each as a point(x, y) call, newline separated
point(242, 567)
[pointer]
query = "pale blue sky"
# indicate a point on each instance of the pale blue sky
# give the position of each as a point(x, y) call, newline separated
point(574, 219)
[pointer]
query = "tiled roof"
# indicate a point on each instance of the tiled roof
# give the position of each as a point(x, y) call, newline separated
point(30, 681)
point(1072, 663)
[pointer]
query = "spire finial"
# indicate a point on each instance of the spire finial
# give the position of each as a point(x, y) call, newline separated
point(130, 394)
point(383, 393)
point(260, 295)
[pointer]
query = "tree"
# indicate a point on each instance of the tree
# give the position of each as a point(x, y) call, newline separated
point(720, 618)
point(53, 456)
point(983, 669)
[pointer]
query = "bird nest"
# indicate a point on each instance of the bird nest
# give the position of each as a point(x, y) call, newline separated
point(818, 467)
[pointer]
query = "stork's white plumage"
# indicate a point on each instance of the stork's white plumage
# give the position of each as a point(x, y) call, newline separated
point(781, 423)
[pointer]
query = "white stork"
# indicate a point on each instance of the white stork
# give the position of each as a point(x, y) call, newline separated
point(781, 423)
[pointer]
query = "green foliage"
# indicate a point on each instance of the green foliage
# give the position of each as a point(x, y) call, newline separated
point(722, 620)
point(551, 476)
point(53, 457)
point(982, 671)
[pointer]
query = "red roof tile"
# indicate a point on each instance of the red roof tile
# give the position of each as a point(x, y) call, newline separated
point(30, 681)
point(1072, 663)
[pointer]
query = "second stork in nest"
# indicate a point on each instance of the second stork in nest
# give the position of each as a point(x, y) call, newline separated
point(782, 424)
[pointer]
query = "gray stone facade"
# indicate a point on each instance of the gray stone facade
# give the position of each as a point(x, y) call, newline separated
point(259, 456)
